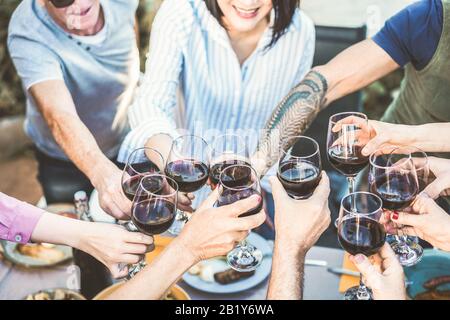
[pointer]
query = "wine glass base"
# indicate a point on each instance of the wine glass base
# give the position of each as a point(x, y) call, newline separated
point(352, 294)
point(245, 260)
point(410, 255)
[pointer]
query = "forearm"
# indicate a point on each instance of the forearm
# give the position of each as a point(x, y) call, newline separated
point(291, 118)
point(431, 137)
point(286, 280)
point(81, 148)
point(56, 229)
point(157, 278)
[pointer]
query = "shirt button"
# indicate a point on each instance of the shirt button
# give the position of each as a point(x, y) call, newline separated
point(18, 238)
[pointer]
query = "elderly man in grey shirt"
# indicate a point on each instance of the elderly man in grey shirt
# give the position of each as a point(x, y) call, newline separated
point(79, 65)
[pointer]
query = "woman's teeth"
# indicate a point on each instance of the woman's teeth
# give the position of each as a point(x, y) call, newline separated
point(246, 11)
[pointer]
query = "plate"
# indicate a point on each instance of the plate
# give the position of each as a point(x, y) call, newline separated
point(9, 248)
point(218, 265)
point(176, 291)
point(435, 263)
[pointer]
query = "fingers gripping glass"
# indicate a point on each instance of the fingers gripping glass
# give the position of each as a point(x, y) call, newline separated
point(361, 231)
point(236, 183)
point(62, 3)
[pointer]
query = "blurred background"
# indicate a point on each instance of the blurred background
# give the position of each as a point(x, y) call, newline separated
point(17, 164)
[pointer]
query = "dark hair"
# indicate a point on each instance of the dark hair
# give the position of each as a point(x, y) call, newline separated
point(284, 11)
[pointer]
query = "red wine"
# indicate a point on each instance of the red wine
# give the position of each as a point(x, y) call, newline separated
point(361, 235)
point(153, 216)
point(130, 186)
point(217, 169)
point(300, 179)
point(189, 175)
point(347, 165)
point(238, 176)
point(229, 196)
point(396, 191)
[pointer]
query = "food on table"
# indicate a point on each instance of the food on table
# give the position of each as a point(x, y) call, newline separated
point(44, 252)
point(231, 275)
point(57, 294)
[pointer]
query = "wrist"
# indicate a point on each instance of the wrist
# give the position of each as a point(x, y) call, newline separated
point(99, 171)
point(180, 248)
point(290, 246)
point(76, 234)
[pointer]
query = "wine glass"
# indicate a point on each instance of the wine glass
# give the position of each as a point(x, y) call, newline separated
point(361, 231)
point(393, 177)
point(300, 168)
point(141, 162)
point(188, 166)
point(154, 208)
point(344, 145)
point(227, 150)
point(236, 183)
point(421, 164)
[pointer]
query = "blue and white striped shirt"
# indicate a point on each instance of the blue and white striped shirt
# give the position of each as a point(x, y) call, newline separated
point(191, 52)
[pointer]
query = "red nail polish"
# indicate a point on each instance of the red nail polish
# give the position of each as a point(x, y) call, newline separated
point(395, 215)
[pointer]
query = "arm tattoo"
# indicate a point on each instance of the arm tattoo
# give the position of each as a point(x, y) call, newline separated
point(292, 116)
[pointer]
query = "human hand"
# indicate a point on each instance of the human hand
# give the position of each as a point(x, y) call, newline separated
point(427, 221)
point(300, 223)
point(441, 185)
point(113, 246)
point(386, 280)
point(213, 232)
point(108, 182)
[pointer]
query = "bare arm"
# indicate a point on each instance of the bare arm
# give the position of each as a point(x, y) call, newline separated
point(351, 70)
point(56, 105)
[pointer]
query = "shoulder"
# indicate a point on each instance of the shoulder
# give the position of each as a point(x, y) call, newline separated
point(418, 15)
point(176, 17)
point(302, 24)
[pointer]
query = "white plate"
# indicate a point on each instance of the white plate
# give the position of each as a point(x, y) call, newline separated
point(261, 273)
point(97, 212)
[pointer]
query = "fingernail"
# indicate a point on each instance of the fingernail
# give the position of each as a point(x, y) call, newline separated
point(359, 258)
point(394, 215)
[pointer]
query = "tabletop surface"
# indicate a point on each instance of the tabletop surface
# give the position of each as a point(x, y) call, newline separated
point(17, 282)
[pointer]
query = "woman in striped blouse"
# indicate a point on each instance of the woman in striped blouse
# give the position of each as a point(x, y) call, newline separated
point(232, 61)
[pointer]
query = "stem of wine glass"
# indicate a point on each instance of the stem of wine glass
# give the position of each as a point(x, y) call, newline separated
point(363, 293)
point(351, 184)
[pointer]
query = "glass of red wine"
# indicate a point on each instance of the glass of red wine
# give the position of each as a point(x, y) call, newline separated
point(422, 166)
point(154, 208)
point(188, 166)
point(239, 182)
point(361, 231)
point(300, 168)
point(227, 150)
point(344, 144)
point(141, 162)
point(393, 178)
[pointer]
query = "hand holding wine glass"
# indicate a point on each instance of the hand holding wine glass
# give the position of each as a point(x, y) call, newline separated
point(440, 169)
point(386, 281)
point(300, 223)
point(427, 220)
point(214, 231)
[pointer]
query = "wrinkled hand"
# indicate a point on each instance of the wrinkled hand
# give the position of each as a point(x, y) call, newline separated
point(108, 183)
point(441, 185)
point(386, 280)
point(300, 223)
point(112, 245)
point(427, 221)
point(213, 232)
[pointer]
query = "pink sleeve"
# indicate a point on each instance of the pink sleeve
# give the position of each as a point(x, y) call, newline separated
point(17, 219)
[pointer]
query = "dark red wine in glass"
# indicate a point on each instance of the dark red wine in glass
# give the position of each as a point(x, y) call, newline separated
point(299, 179)
point(396, 191)
point(190, 175)
point(361, 235)
point(229, 196)
point(348, 165)
point(217, 169)
point(153, 216)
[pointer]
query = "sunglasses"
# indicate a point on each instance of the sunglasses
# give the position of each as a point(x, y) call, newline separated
point(62, 3)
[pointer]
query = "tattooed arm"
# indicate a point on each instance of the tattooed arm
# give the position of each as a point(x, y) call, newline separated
point(351, 70)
